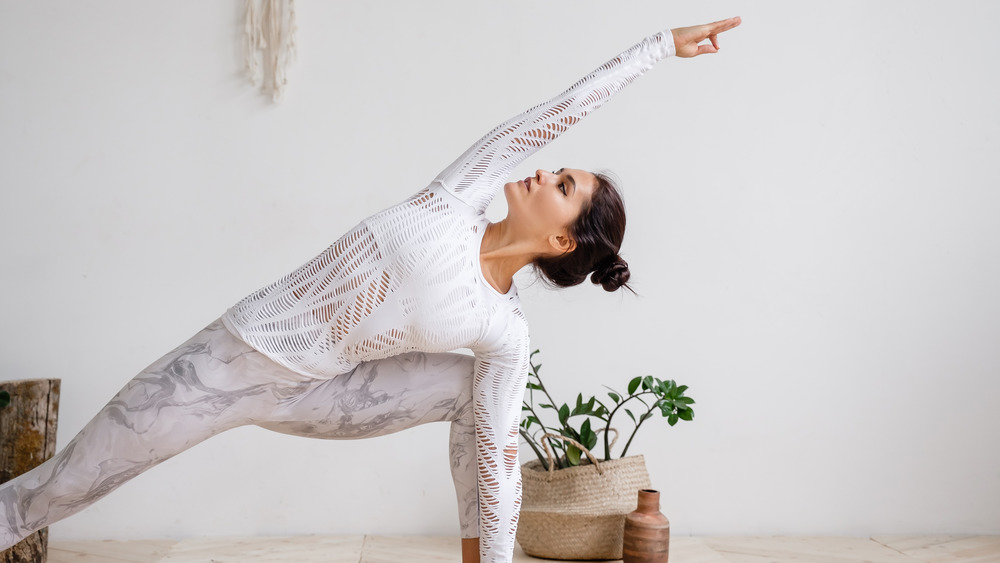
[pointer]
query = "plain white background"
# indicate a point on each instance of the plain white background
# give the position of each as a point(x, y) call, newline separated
point(813, 233)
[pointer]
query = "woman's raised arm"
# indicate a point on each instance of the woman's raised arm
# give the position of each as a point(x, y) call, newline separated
point(477, 175)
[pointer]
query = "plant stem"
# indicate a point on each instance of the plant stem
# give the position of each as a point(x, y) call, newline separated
point(545, 430)
point(527, 438)
point(607, 428)
point(554, 445)
point(629, 443)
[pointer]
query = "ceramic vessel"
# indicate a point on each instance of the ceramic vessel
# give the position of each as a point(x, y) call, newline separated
point(647, 531)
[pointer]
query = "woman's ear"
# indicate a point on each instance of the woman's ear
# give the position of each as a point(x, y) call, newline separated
point(562, 243)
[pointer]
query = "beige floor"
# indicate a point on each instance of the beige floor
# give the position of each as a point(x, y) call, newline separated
point(418, 549)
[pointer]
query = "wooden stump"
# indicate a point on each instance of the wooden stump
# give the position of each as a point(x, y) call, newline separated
point(27, 438)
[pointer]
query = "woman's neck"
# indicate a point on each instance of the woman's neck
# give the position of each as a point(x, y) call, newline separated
point(502, 253)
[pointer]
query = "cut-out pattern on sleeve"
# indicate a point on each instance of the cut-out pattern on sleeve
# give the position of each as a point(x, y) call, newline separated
point(497, 394)
point(481, 171)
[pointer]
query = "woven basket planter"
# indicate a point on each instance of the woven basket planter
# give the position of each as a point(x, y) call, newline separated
point(578, 512)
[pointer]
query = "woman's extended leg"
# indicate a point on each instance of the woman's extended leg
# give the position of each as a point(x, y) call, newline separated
point(211, 383)
point(386, 396)
point(215, 382)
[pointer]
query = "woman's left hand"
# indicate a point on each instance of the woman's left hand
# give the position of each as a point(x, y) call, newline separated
point(687, 39)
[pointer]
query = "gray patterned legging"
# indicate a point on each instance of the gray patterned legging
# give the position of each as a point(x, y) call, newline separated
point(214, 382)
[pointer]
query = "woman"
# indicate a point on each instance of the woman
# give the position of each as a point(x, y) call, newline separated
point(355, 343)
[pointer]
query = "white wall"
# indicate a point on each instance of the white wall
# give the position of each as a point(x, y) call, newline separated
point(813, 234)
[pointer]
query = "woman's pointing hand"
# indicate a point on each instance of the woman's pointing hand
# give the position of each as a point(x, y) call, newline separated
point(687, 39)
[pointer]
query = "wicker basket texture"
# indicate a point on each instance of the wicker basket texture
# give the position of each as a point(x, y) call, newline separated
point(579, 512)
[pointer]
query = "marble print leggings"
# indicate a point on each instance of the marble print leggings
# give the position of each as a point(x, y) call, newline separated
point(214, 382)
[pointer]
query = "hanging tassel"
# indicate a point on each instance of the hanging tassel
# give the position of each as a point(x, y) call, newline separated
point(252, 41)
point(269, 43)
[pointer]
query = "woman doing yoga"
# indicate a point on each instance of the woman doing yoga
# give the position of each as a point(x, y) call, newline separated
point(357, 342)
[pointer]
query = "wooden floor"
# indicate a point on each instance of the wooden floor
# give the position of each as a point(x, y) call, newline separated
point(420, 549)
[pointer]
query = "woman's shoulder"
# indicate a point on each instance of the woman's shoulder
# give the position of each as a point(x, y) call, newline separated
point(507, 327)
point(431, 210)
point(431, 202)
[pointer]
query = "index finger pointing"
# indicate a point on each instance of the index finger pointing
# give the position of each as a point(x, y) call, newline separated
point(724, 25)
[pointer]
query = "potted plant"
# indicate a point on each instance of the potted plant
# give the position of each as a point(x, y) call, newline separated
point(574, 502)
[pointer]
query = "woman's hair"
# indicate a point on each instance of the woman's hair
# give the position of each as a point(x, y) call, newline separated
point(598, 232)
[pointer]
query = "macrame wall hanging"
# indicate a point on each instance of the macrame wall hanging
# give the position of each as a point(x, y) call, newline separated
point(269, 31)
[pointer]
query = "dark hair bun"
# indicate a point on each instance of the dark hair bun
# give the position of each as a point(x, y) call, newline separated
point(611, 274)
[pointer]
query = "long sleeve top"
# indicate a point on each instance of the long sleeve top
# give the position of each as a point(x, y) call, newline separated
point(409, 278)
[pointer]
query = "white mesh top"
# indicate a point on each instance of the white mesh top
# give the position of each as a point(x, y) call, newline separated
point(409, 278)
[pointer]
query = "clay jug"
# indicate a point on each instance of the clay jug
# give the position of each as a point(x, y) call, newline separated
point(647, 531)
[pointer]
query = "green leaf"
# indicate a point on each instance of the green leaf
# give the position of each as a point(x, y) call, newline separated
point(685, 400)
point(573, 455)
point(571, 433)
point(589, 406)
point(647, 383)
point(615, 397)
point(634, 384)
point(645, 415)
point(534, 386)
point(587, 436)
point(629, 413)
point(682, 388)
point(4, 399)
point(672, 419)
point(546, 406)
point(563, 414)
point(557, 445)
point(601, 412)
point(687, 414)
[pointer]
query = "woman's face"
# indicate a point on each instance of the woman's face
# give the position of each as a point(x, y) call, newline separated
point(548, 203)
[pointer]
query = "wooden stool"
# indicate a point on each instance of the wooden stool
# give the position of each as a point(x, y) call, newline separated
point(27, 438)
